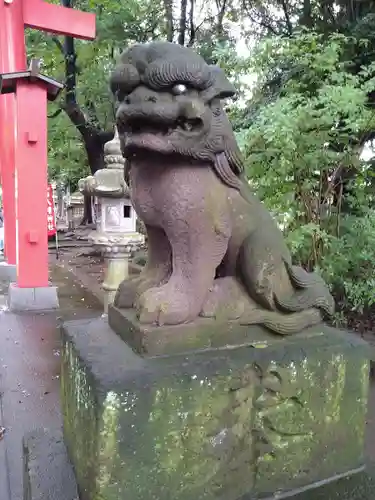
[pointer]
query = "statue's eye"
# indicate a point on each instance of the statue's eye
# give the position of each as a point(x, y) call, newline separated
point(179, 89)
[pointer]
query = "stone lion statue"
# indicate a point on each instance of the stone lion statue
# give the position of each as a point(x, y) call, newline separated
point(213, 248)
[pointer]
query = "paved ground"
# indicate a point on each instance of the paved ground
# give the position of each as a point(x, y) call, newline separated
point(29, 377)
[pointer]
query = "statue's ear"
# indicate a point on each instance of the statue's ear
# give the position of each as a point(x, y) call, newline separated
point(221, 87)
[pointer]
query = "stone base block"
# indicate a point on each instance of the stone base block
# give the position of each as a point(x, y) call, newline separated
point(8, 272)
point(359, 486)
point(48, 474)
point(32, 299)
point(222, 417)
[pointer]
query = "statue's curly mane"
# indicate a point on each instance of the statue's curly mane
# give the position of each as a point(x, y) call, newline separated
point(160, 65)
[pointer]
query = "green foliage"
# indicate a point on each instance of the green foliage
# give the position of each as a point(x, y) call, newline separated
point(303, 155)
point(67, 160)
point(349, 262)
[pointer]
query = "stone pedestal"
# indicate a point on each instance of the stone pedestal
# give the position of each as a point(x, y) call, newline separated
point(48, 474)
point(212, 411)
point(32, 299)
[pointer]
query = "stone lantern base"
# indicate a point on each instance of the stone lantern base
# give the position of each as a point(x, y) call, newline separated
point(117, 250)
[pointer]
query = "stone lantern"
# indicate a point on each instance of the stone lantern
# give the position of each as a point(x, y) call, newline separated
point(116, 220)
point(75, 209)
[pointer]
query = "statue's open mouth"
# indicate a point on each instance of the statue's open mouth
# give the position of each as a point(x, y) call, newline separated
point(159, 135)
point(141, 126)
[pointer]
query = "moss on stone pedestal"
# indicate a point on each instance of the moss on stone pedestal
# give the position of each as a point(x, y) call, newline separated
point(215, 423)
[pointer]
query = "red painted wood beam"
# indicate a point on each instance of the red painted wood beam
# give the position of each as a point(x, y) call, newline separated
point(59, 20)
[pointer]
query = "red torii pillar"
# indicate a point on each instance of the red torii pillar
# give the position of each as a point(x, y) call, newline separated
point(27, 248)
point(12, 58)
point(32, 91)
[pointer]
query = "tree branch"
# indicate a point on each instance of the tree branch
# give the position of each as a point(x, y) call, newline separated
point(59, 45)
point(287, 17)
point(76, 116)
point(90, 106)
point(221, 13)
point(259, 22)
point(55, 114)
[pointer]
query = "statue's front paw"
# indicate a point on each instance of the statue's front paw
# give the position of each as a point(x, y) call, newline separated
point(131, 289)
point(165, 305)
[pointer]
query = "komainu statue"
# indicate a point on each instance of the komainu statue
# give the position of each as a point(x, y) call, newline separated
point(213, 248)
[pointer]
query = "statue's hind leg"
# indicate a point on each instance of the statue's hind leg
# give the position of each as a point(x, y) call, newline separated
point(227, 300)
point(156, 272)
point(262, 270)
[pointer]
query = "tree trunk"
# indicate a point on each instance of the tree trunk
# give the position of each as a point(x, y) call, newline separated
point(192, 24)
point(168, 7)
point(306, 19)
point(87, 211)
point(183, 22)
point(221, 6)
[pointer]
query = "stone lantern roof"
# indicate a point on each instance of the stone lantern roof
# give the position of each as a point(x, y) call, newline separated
point(108, 182)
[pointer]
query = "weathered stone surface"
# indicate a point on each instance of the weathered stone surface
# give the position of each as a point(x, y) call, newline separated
point(203, 333)
point(226, 422)
point(357, 487)
point(48, 474)
point(55, 479)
